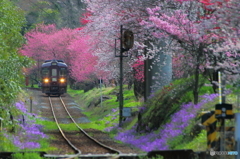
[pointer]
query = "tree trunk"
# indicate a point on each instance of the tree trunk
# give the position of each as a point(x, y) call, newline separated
point(196, 80)
point(196, 85)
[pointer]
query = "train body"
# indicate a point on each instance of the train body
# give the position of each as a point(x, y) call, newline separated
point(54, 75)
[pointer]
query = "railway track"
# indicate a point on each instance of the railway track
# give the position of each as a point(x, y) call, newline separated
point(79, 141)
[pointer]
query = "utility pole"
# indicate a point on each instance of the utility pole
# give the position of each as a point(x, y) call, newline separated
point(121, 81)
point(101, 90)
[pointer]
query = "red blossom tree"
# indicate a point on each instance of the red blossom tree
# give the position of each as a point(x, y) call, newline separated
point(138, 68)
point(47, 42)
point(83, 62)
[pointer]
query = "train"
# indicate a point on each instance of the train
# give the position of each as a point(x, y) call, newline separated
point(54, 76)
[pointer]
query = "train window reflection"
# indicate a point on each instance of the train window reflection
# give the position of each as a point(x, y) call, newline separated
point(54, 72)
point(62, 71)
point(45, 71)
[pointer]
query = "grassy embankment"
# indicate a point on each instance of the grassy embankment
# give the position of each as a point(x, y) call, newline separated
point(23, 138)
point(105, 115)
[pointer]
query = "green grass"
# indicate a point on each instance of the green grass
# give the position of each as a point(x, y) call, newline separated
point(131, 104)
point(75, 92)
point(198, 144)
point(26, 156)
point(30, 86)
point(6, 144)
point(99, 125)
point(102, 117)
point(51, 125)
point(48, 125)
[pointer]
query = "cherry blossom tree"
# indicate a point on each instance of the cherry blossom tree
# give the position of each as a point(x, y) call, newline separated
point(40, 45)
point(191, 30)
point(84, 66)
point(47, 42)
point(138, 67)
point(195, 30)
point(198, 34)
point(103, 27)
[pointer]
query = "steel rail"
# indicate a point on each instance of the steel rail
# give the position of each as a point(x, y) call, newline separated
point(57, 123)
point(85, 133)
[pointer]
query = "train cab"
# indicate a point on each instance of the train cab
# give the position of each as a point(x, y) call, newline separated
point(54, 75)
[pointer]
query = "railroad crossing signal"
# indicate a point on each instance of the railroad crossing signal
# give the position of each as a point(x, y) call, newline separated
point(210, 119)
point(224, 111)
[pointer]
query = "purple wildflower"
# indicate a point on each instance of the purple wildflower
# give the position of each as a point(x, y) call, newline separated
point(24, 145)
point(114, 110)
point(29, 132)
point(159, 141)
point(20, 106)
point(108, 129)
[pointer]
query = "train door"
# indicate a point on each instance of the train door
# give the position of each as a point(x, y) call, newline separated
point(54, 79)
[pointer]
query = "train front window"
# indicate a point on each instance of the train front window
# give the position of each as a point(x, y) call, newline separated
point(45, 72)
point(63, 71)
point(54, 72)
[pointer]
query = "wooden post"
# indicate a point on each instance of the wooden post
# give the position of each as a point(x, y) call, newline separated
point(1, 123)
point(30, 104)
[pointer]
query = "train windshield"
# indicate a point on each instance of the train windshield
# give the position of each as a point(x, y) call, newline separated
point(63, 71)
point(45, 72)
point(54, 72)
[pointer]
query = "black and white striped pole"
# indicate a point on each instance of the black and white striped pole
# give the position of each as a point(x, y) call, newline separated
point(222, 100)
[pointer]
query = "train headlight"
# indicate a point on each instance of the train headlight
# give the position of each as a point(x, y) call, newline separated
point(46, 80)
point(62, 80)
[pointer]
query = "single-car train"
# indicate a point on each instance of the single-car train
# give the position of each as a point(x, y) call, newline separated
point(54, 77)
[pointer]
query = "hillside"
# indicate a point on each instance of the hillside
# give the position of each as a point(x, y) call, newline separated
point(65, 14)
point(168, 120)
